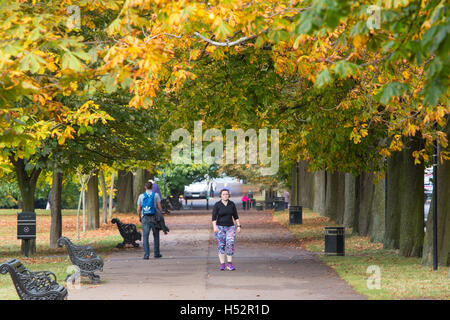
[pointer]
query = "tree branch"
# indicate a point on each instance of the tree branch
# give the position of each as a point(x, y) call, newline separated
point(227, 43)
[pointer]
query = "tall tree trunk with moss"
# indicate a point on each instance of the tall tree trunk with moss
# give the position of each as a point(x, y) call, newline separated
point(395, 186)
point(350, 200)
point(377, 213)
point(335, 197)
point(319, 191)
point(366, 189)
point(125, 197)
point(293, 200)
point(412, 200)
point(309, 187)
point(302, 183)
point(93, 207)
point(56, 207)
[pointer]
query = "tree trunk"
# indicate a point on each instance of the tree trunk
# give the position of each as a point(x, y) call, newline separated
point(443, 212)
point(27, 185)
point(104, 197)
point(141, 177)
point(93, 219)
point(56, 208)
point(125, 200)
point(365, 203)
point(412, 204)
point(319, 192)
point(294, 186)
point(355, 229)
point(309, 187)
point(443, 225)
point(394, 186)
point(377, 213)
point(340, 210)
point(350, 200)
point(306, 185)
point(295, 194)
point(302, 186)
point(335, 197)
point(331, 192)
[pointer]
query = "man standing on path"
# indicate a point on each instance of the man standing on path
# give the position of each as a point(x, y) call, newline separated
point(146, 207)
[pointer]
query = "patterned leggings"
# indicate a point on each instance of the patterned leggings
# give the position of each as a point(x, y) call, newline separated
point(225, 238)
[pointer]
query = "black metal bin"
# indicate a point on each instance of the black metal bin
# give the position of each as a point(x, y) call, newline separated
point(335, 241)
point(295, 215)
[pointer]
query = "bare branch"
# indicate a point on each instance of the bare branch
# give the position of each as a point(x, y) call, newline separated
point(227, 43)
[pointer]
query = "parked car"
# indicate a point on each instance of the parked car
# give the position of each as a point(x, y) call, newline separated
point(196, 190)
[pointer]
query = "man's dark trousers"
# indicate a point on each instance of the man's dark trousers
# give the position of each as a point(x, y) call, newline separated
point(148, 222)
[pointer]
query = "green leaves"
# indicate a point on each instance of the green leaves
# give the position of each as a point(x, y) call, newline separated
point(323, 78)
point(71, 60)
point(305, 24)
point(223, 30)
point(278, 35)
point(391, 90)
point(32, 62)
point(109, 82)
point(433, 91)
point(345, 69)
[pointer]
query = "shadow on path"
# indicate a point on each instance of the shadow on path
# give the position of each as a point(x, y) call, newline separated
point(269, 261)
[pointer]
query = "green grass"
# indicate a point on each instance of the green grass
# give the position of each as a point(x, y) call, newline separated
point(400, 277)
point(39, 212)
point(54, 260)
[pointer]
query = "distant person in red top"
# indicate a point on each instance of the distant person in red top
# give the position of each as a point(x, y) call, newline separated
point(245, 201)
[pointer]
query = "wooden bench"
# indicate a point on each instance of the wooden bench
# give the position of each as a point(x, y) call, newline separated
point(37, 285)
point(128, 232)
point(83, 257)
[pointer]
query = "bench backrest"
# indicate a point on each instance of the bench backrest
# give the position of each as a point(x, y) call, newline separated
point(32, 285)
point(17, 266)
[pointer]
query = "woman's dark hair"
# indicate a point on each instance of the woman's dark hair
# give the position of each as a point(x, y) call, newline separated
point(223, 191)
point(148, 185)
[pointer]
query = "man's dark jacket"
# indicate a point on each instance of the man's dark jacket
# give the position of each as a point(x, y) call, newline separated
point(159, 221)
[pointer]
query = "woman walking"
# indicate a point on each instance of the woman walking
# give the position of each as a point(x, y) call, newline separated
point(224, 229)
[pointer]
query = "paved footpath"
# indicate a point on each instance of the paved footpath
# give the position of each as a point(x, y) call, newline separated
point(270, 265)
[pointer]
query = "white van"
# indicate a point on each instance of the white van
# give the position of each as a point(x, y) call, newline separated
point(196, 190)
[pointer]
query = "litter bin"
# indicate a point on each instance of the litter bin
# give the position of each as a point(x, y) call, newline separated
point(26, 228)
point(335, 241)
point(295, 215)
point(279, 204)
point(259, 206)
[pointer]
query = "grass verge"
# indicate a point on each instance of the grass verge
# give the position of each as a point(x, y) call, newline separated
point(103, 240)
point(400, 277)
